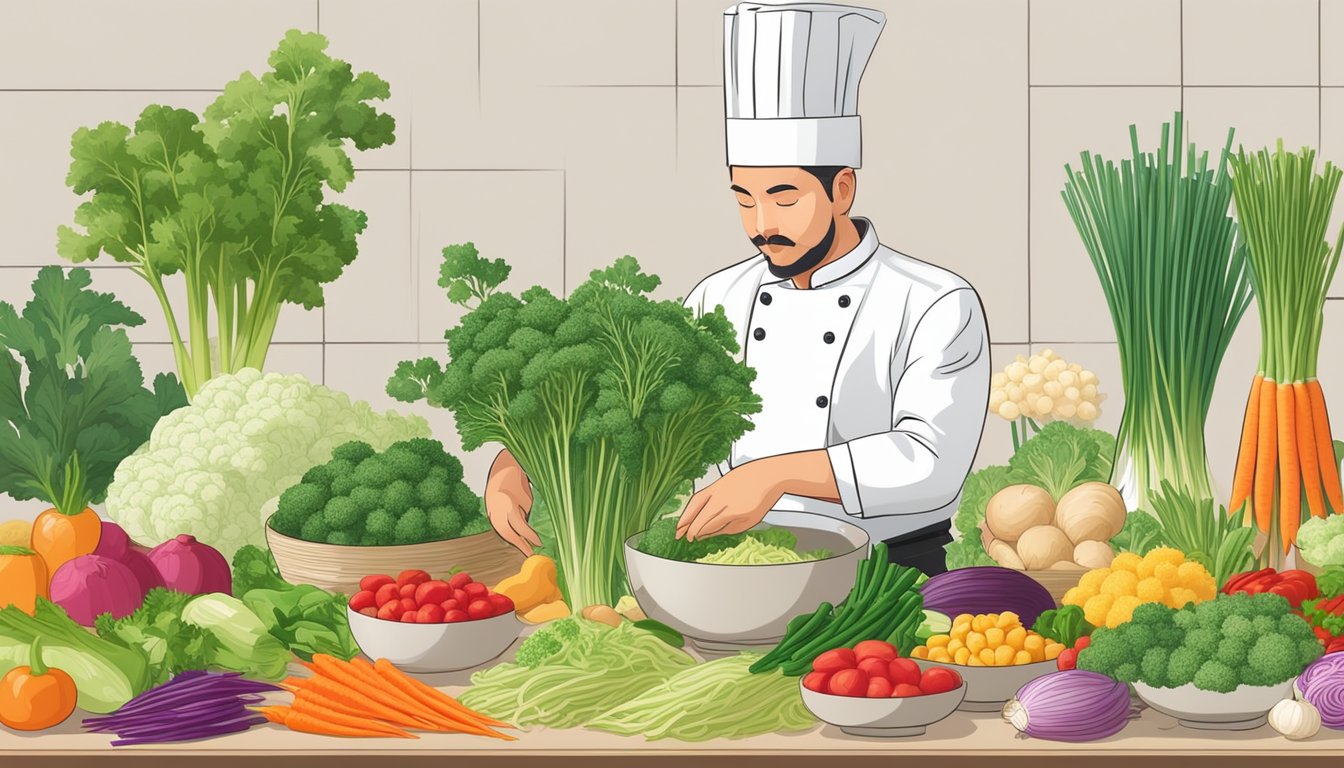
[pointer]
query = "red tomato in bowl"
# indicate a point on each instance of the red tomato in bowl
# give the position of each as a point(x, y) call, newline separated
point(879, 687)
point(903, 671)
point(875, 667)
point(454, 616)
point(408, 604)
point(476, 589)
point(903, 690)
point(363, 599)
point(459, 580)
point(501, 603)
point(817, 681)
point(369, 612)
point(433, 591)
point(875, 649)
point(480, 609)
point(939, 680)
point(835, 660)
point(449, 605)
point(372, 583)
point(412, 576)
point(431, 613)
point(386, 594)
point(407, 590)
point(461, 597)
point(391, 611)
point(408, 617)
point(849, 682)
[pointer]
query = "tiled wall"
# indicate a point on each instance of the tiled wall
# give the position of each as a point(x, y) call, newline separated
point(561, 134)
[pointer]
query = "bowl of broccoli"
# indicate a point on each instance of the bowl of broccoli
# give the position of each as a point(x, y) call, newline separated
point(720, 604)
point(366, 511)
point(1221, 664)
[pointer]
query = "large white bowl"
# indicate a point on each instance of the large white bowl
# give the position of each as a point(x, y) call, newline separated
point(906, 716)
point(434, 647)
point(1241, 709)
point(722, 607)
point(989, 688)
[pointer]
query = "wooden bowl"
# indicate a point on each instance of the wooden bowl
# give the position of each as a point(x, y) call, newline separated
point(338, 568)
point(1057, 581)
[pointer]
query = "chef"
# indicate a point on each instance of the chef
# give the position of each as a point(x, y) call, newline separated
point(872, 366)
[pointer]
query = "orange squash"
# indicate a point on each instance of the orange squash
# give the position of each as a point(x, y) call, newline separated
point(60, 538)
point(34, 698)
point(23, 578)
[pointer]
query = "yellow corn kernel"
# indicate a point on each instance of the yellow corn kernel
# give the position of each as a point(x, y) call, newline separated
point(1052, 651)
point(1091, 581)
point(974, 661)
point(961, 630)
point(1033, 642)
point(939, 654)
point(978, 624)
point(986, 657)
point(1008, 620)
point(994, 637)
point(938, 641)
point(1021, 657)
point(1015, 637)
point(1150, 590)
point(1096, 608)
point(955, 644)
point(1120, 583)
point(920, 652)
point(1166, 555)
point(976, 642)
point(1003, 656)
point(962, 618)
point(1126, 561)
point(961, 656)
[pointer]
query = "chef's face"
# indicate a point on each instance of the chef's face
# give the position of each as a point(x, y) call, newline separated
point(788, 214)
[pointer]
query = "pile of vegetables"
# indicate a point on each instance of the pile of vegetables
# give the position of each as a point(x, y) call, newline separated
point(1043, 388)
point(213, 469)
point(1058, 459)
point(1109, 596)
point(1028, 531)
point(1217, 645)
point(884, 604)
point(1286, 452)
point(759, 546)
point(233, 200)
point(414, 597)
point(609, 400)
point(410, 493)
point(193, 705)
point(989, 640)
point(873, 669)
point(1176, 279)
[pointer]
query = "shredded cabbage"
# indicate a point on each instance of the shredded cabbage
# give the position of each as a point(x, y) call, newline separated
point(753, 551)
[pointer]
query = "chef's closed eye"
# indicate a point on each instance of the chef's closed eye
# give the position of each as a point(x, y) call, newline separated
point(744, 197)
point(784, 195)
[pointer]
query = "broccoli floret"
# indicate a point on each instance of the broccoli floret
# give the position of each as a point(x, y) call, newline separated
point(1232, 651)
point(441, 474)
point(367, 499)
point(1266, 604)
point(345, 538)
point(422, 446)
point(1308, 651)
point(445, 523)
point(342, 486)
point(547, 642)
point(1240, 628)
point(1153, 668)
point(354, 451)
point(1152, 614)
point(1295, 627)
point(476, 524)
point(1182, 666)
point(1184, 620)
point(298, 503)
point(399, 496)
point(1213, 675)
point(381, 523)
point(1127, 672)
point(315, 528)
point(340, 468)
point(450, 463)
point(464, 499)
point(374, 473)
point(1273, 659)
point(1264, 625)
point(412, 527)
point(406, 464)
point(1202, 641)
point(432, 493)
point(370, 540)
point(254, 568)
point(319, 475)
point(1106, 653)
point(341, 513)
point(1210, 614)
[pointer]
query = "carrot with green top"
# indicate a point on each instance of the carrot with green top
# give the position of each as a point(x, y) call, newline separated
point(1306, 450)
point(1266, 458)
point(1290, 472)
point(1325, 447)
point(1243, 480)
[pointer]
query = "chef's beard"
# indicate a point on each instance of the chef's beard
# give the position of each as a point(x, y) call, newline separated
point(806, 262)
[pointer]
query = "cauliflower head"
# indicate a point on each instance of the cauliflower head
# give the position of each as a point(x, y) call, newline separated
point(214, 468)
point(1321, 540)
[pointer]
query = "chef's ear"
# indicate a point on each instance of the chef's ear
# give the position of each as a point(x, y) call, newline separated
point(843, 189)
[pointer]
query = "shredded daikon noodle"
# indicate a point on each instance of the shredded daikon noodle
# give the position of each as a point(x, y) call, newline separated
point(752, 551)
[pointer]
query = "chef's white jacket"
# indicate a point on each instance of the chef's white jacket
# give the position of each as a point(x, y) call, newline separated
point(884, 362)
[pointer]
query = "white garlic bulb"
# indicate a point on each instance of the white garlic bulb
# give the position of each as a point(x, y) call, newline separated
point(1295, 719)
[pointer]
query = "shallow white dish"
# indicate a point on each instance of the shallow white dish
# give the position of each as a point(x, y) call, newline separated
point(906, 716)
point(989, 688)
point(722, 607)
point(1241, 709)
point(434, 647)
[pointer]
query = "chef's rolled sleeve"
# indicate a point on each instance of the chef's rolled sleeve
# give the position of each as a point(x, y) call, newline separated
point(938, 413)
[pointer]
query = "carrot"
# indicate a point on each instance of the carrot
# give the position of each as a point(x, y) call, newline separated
point(343, 686)
point(305, 723)
point(1325, 447)
point(447, 722)
point(1265, 457)
point(1290, 473)
point(1243, 480)
point(274, 714)
point(1306, 450)
point(59, 538)
point(433, 698)
point(307, 706)
point(336, 695)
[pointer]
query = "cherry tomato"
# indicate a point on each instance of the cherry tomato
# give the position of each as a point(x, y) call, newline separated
point(431, 613)
point(879, 687)
point(386, 594)
point(407, 590)
point(454, 616)
point(432, 592)
point(370, 611)
point(903, 690)
point(476, 589)
point(372, 583)
point(412, 576)
point(939, 680)
point(391, 611)
point(849, 682)
point(461, 596)
point(1083, 642)
point(875, 649)
point(817, 681)
point(408, 604)
point(363, 599)
point(501, 603)
point(480, 609)
point(1067, 659)
point(835, 660)
point(408, 617)
point(875, 667)
point(459, 580)
point(903, 671)
point(449, 605)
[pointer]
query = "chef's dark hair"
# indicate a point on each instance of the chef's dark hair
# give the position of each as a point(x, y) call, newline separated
point(826, 175)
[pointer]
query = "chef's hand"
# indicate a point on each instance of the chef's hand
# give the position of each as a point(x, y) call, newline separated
point(508, 502)
point(732, 504)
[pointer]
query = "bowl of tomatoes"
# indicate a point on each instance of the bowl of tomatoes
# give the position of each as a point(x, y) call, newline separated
point(870, 690)
point(423, 624)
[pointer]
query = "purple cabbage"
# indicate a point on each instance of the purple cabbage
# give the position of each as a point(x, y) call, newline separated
point(987, 589)
point(1322, 686)
point(1074, 705)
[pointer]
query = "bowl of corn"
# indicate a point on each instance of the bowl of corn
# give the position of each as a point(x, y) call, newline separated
point(995, 654)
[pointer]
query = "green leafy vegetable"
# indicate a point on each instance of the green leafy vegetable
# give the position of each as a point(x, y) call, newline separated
point(1140, 534)
point(967, 551)
point(1315, 614)
point(1061, 457)
point(254, 568)
point(1331, 581)
point(660, 540)
point(72, 397)
point(1222, 543)
point(1063, 625)
point(611, 401)
point(171, 645)
point(306, 619)
point(233, 201)
point(244, 643)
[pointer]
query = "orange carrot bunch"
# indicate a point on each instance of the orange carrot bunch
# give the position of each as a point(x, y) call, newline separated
point(356, 698)
point(1286, 466)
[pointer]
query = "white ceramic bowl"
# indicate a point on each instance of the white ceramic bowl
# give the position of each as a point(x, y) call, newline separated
point(906, 716)
point(1241, 709)
point(989, 688)
point(724, 607)
point(434, 647)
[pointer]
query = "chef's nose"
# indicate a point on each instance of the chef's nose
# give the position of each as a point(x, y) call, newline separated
point(763, 225)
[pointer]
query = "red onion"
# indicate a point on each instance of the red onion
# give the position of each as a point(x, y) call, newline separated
point(1074, 705)
point(190, 567)
point(1322, 686)
point(987, 589)
point(113, 543)
point(91, 585)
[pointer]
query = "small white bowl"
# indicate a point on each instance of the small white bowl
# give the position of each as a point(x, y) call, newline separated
point(905, 716)
point(989, 688)
point(1241, 709)
point(434, 647)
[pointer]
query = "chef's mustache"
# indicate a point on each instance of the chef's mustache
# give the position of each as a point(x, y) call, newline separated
point(760, 241)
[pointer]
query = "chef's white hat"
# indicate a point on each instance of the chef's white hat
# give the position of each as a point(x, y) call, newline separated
point(791, 82)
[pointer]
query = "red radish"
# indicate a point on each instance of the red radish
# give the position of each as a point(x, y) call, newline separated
point(461, 597)
point(412, 576)
point(835, 660)
point(369, 612)
point(875, 649)
point(501, 603)
point(817, 681)
point(459, 580)
point(452, 617)
point(429, 614)
point(363, 599)
point(939, 680)
point(408, 604)
point(903, 690)
point(875, 667)
point(879, 688)
point(849, 682)
point(372, 583)
point(476, 589)
point(903, 671)
point(432, 592)
point(480, 609)
point(386, 593)
point(449, 605)
point(408, 590)
point(391, 611)
point(408, 617)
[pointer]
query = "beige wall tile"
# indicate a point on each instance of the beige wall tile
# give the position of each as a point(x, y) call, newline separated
point(944, 176)
point(304, 359)
point(1250, 42)
point(1332, 149)
point(370, 301)
point(514, 215)
point(1096, 42)
point(1067, 304)
point(700, 41)
point(156, 44)
point(597, 42)
point(704, 209)
point(1261, 116)
point(1332, 56)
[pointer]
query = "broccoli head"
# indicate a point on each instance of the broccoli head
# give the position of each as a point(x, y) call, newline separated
point(433, 493)
point(1152, 614)
point(1184, 620)
point(343, 485)
point(1153, 668)
point(1240, 628)
point(466, 501)
point(1214, 675)
point(254, 568)
point(1210, 614)
point(412, 527)
point(1127, 672)
point(341, 513)
point(354, 451)
point(315, 528)
point(399, 496)
point(405, 463)
point(1202, 641)
point(444, 523)
point(1295, 627)
point(297, 504)
point(381, 524)
point(424, 447)
point(367, 499)
point(319, 475)
point(345, 538)
point(1182, 666)
point(374, 473)
point(1232, 651)
point(1107, 651)
point(1264, 625)
point(1272, 659)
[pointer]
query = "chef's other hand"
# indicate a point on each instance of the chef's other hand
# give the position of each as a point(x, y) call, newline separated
point(508, 502)
point(732, 504)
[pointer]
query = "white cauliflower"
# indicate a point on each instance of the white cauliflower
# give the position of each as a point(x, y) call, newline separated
point(208, 469)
